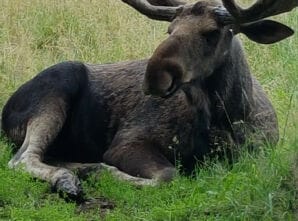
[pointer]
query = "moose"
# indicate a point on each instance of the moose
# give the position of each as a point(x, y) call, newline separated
point(138, 118)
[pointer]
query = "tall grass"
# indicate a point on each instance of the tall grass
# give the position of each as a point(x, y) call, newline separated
point(35, 34)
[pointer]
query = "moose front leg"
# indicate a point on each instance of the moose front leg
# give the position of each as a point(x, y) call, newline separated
point(83, 170)
point(140, 159)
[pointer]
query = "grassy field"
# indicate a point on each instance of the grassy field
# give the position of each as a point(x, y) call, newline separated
point(35, 34)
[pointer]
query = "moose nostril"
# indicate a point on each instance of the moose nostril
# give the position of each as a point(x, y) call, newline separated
point(165, 82)
point(162, 75)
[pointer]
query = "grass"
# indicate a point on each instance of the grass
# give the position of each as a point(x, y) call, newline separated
point(38, 33)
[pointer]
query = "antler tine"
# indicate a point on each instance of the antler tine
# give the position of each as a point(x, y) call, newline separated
point(163, 13)
point(261, 9)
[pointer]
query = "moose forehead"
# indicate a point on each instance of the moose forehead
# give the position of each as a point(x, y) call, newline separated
point(198, 15)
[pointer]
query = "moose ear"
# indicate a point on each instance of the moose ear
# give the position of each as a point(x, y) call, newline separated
point(266, 31)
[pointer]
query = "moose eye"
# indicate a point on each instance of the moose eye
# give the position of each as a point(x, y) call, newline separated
point(211, 37)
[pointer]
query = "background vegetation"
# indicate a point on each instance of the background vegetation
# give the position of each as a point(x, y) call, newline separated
point(35, 34)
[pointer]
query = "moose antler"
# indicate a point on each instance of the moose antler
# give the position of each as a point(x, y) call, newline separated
point(250, 21)
point(166, 2)
point(261, 9)
point(156, 9)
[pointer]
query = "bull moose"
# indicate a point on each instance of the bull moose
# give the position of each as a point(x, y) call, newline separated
point(137, 118)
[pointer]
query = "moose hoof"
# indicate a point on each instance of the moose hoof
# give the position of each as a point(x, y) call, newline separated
point(69, 187)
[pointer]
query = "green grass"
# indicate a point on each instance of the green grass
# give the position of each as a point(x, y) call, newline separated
point(35, 34)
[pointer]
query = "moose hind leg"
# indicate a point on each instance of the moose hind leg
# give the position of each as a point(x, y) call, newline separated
point(42, 129)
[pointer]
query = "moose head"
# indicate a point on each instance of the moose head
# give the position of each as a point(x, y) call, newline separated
point(201, 36)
